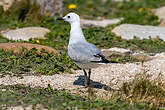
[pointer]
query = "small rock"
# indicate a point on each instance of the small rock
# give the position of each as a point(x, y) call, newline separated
point(49, 6)
point(142, 57)
point(160, 55)
point(3, 90)
point(115, 51)
point(40, 107)
point(100, 23)
point(128, 31)
point(162, 23)
point(6, 4)
point(17, 47)
point(46, 6)
point(25, 33)
point(20, 107)
point(160, 12)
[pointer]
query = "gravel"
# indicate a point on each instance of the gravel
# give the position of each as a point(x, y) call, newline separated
point(110, 74)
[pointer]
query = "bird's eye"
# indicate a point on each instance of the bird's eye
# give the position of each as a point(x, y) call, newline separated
point(68, 16)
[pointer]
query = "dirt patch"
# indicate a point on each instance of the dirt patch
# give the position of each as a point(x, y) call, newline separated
point(17, 47)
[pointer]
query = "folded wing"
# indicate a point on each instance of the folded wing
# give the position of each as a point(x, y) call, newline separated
point(85, 52)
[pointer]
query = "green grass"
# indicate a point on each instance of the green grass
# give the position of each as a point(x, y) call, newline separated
point(3, 40)
point(110, 9)
point(30, 62)
point(60, 99)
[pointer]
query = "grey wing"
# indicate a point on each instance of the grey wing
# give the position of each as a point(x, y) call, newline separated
point(86, 52)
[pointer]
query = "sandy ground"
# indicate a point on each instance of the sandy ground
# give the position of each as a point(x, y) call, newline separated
point(108, 75)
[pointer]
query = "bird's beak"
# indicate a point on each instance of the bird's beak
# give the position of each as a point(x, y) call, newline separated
point(60, 18)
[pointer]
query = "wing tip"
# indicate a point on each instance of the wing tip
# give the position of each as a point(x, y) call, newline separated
point(107, 61)
point(104, 61)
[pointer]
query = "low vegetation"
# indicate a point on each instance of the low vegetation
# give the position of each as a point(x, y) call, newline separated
point(133, 11)
point(30, 62)
point(143, 88)
point(60, 99)
point(139, 94)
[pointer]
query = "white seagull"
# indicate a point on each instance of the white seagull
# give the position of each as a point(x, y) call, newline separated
point(83, 53)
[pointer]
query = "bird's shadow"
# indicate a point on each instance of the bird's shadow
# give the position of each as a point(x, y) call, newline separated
point(98, 85)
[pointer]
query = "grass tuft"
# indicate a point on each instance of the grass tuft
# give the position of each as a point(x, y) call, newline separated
point(143, 88)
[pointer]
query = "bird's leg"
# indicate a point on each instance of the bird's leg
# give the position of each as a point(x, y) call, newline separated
point(89, 74)
point(85, 78)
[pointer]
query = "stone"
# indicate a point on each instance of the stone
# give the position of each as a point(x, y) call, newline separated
point(142, 57)
point(25, 33)
point(100, 23)
point(115, 51)
point(129, 31)
point(17, 47)
point(47, 7)
point(162, 23)
point(160, 12)
point(160, 55)
point(6, 4)
point(19, 107)
point(119, 50)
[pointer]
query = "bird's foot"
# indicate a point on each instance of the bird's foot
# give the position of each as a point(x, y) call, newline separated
point(87, 83)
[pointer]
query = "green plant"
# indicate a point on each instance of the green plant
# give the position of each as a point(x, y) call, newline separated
point(28, 62)
point(2, 39)
point(111, 9)
point(15, 95)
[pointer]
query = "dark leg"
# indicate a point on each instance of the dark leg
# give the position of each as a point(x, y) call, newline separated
point(85, 78)
point(89, 74)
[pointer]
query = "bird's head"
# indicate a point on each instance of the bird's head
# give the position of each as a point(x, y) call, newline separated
point(71, 18)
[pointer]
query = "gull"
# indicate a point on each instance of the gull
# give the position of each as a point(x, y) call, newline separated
point(84, 54)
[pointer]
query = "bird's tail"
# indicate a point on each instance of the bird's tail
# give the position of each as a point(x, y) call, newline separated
point(104, 60)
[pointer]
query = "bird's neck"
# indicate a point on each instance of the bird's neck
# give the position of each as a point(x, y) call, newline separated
point(76, 33)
